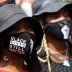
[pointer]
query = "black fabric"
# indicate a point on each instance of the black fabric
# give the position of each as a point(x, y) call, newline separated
point(54, 29)
point(61, 68)
point(55, 67)
point(20, 44)
point(43, 66)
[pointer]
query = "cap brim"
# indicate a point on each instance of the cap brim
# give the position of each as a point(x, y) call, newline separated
point(11, 21)
point(51, 7)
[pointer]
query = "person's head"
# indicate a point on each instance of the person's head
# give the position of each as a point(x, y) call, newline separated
point(19, 33)
point(56, 18)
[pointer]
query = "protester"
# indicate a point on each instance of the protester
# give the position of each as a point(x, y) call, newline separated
point(19, 37)
point(56, 18)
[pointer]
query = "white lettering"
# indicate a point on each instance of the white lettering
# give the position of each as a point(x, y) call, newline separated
point(18, 42)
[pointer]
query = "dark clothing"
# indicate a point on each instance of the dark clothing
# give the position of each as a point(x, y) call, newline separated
point(61, 68)
point(55, 67)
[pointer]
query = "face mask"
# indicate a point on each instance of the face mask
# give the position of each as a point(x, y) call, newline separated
point(20, 44)
point(59, 30)
point(27, 8)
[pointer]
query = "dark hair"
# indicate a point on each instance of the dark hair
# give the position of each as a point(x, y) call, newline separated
point(33, 63)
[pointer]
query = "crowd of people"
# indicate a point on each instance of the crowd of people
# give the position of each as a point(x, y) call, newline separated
point(35, 36)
